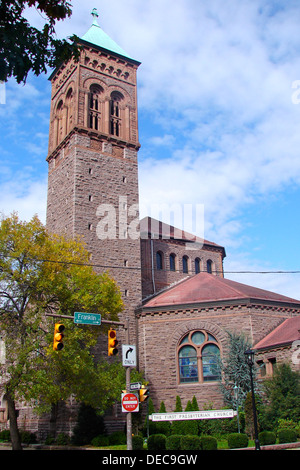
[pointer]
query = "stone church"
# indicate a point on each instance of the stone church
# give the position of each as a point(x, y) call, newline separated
point(176, 298)
point(177, 301)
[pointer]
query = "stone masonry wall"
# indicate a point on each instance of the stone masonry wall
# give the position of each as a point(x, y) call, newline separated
point(161, 330)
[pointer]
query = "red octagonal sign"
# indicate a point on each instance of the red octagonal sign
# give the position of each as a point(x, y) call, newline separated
point(130, 402)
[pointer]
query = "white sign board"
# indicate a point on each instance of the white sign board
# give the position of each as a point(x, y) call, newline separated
point(130, 402)
point(181, 416)
point(128, 355)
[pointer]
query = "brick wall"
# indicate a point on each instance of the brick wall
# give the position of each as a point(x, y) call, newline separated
point(153, 280)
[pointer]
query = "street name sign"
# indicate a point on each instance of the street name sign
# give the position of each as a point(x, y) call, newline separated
point(130, 402)
point(128, 355)
point(87, 318)
point(180, 416)
point(135, 386)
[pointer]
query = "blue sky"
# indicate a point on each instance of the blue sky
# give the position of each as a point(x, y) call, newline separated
point(218, 123)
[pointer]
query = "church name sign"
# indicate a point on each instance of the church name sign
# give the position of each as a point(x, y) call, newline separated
point(180, 416)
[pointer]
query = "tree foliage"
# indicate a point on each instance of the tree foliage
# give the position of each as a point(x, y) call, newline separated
point(23, 47)
point(282, 396)
point(39, 274)
point(235, 370)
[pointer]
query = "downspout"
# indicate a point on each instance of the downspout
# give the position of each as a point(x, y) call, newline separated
point(152, 266)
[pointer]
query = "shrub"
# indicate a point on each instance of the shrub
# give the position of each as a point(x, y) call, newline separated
point(27, 437)
point(62, 439)
point(156, 442)
point(117, 438)
point(49, 440)
point(173, 442)
point(88, 426)
point(237, 440)
point(100, 441)
point(266, 438)
point(287, 435)
point(137, 442)
point(189, 442)
point(5, 435)
point(208, 443)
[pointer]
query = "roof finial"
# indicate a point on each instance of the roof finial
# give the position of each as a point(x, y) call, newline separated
point(95, 15)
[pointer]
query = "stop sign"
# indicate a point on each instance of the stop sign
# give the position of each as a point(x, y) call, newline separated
point(130, 402)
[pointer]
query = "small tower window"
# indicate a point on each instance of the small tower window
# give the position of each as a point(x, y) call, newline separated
point(159, 260)
point(197, 265)
point(185, 267)
point(209, 266)
point(115, 113)
point(94, 114)
point(172, 262)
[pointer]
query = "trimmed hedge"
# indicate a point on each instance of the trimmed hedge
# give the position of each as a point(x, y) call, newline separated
point(100, 441)
point(156, 442)
point(173, 442)
point(287, 435)
point(208, 443)
point(137, 442)
point(267, 438)
point(5, 435)
point(117, 438)
point(237, 440)
point(190, 442)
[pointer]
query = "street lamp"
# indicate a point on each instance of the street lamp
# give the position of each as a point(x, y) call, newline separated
point(250, 361)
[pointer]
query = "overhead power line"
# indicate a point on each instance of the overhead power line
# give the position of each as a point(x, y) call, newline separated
point(109, 266)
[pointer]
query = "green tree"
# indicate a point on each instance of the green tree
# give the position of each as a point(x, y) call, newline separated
point(39, 274)
point(281, 396)
point(151, 425)
point(163, 427)
point(249, 419)
point(23, 47)
point(190, 426)
point(235, 370)
point(177, 427)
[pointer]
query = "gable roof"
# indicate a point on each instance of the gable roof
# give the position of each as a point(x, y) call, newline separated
point(207, 288)
point(97, 37)
point(287, 332)
point(153, 228)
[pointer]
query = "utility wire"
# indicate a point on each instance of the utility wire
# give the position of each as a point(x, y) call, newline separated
point(104, 266)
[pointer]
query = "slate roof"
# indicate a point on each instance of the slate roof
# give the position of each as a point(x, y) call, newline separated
point(207, 288)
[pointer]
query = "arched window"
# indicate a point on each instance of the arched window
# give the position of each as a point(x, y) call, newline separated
point(172, 262)
point(209, 266)
point(159, 260)
point(115, 113)
point(197, 265)
point(59, 123)
point(69, 117)
point(185, 267)
point(94, 107)
point(198, 358)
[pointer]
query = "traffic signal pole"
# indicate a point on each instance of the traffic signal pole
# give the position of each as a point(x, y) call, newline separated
point(129, 417)
point(126, 327)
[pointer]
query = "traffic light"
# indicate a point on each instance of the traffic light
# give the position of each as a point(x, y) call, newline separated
point(112, 342)
point(58, 337)
point(144, 393)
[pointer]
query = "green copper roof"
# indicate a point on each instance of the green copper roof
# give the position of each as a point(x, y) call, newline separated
point(96, 36)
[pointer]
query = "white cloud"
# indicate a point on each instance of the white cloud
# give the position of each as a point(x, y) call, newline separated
point(248, 270)
point(27, 198)
point(216, 84)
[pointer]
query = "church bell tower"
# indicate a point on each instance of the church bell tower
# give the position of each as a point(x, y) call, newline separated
point(92, 158)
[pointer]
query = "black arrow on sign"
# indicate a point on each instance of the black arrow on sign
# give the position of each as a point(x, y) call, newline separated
point(129, 351)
